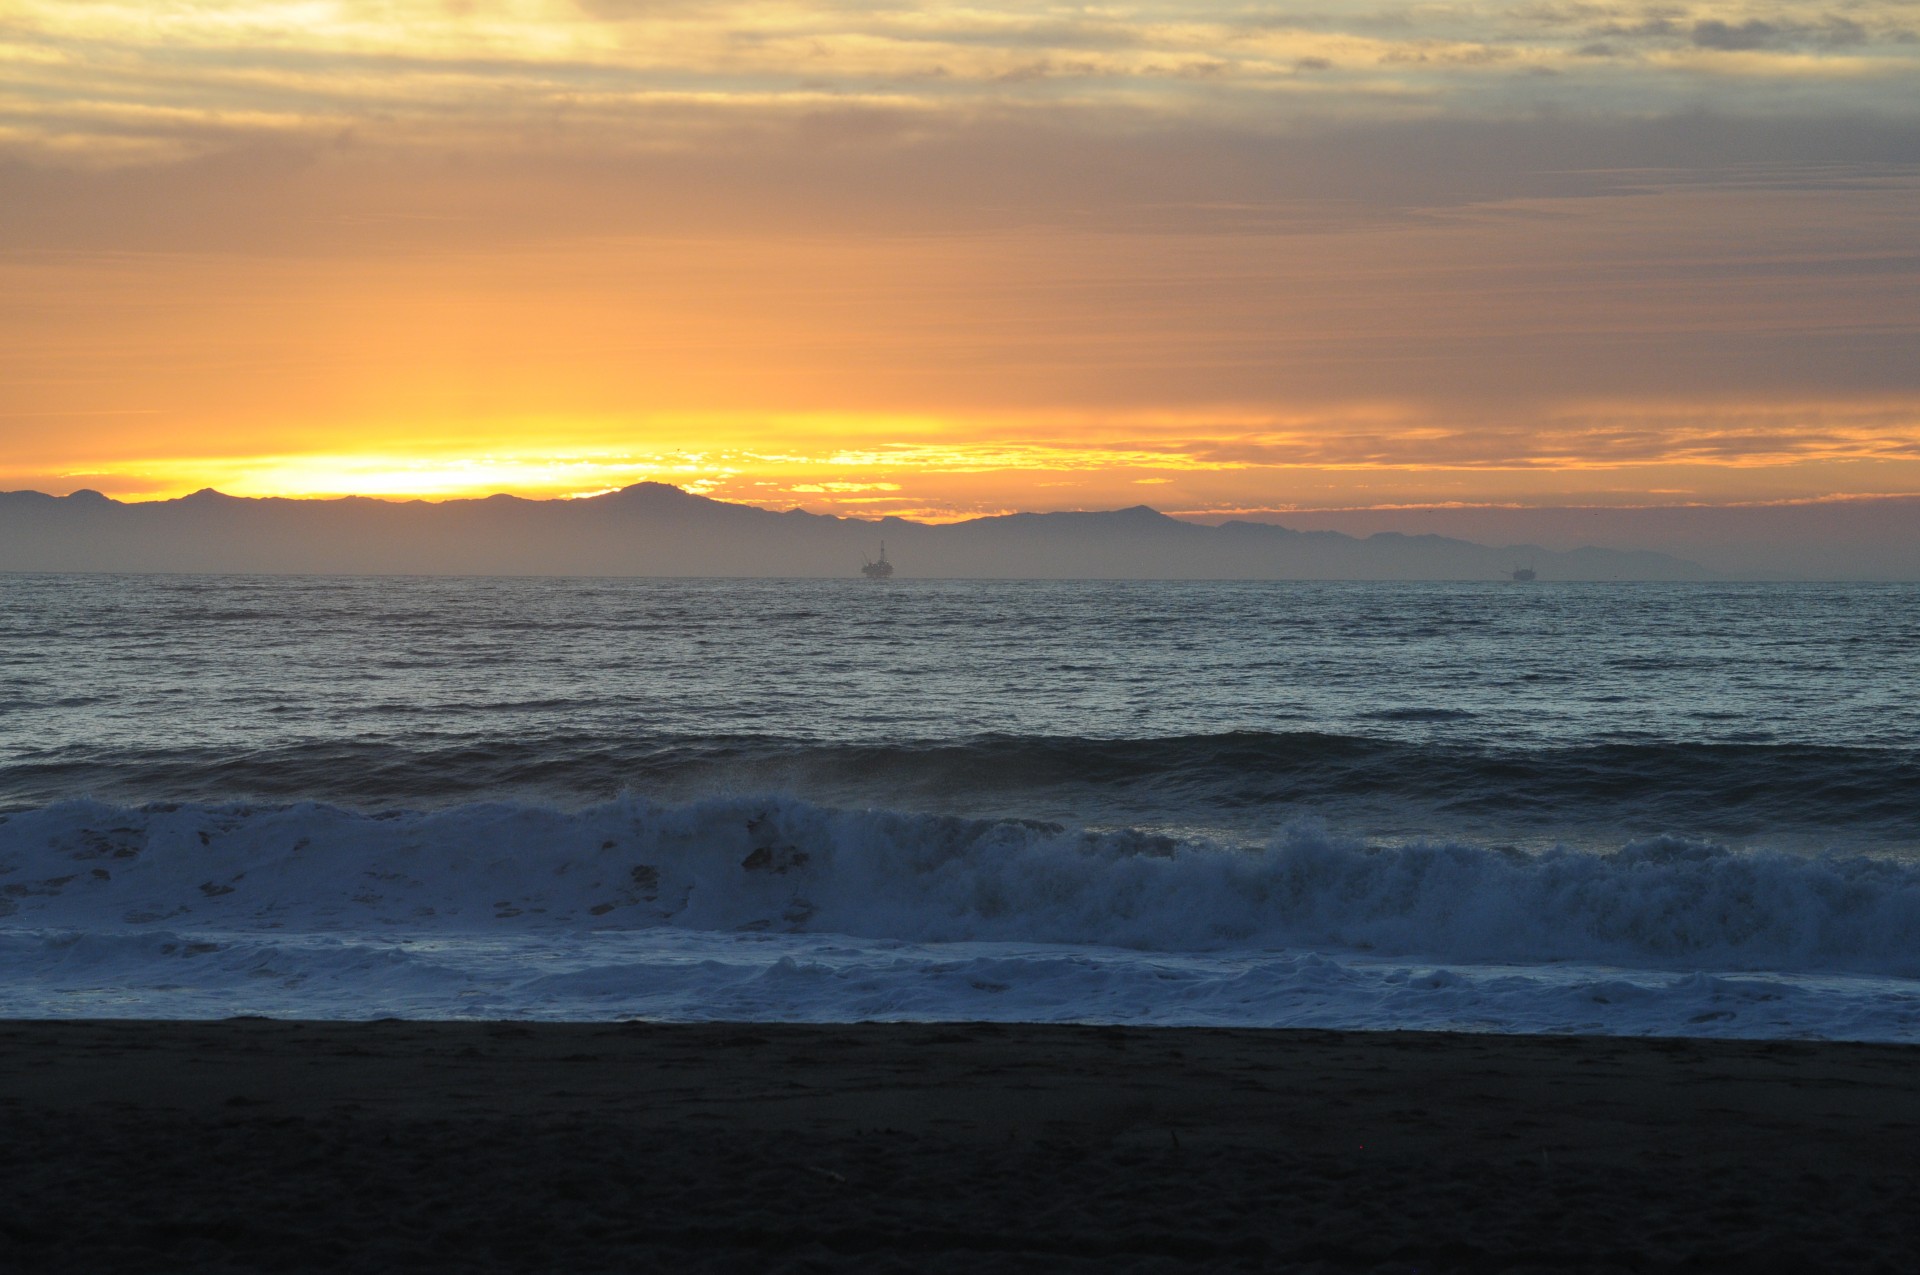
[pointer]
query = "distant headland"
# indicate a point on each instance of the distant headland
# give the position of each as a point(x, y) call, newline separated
point(655, 529)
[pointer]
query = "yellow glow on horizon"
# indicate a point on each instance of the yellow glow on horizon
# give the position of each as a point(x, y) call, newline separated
point(576, 473)
point(1202, 464)
point(963, 465)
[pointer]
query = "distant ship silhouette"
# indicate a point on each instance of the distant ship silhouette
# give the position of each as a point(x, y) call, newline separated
point(1524, 574)
point(878, 570)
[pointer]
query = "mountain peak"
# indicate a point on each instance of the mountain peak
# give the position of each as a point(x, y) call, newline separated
point(651, 490)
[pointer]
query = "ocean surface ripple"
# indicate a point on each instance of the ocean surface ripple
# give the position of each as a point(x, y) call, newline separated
point(1671, 808)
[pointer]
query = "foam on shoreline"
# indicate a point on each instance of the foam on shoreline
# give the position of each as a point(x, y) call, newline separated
point(773, 908)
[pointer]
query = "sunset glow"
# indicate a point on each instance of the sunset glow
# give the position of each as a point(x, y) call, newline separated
point(924, 259)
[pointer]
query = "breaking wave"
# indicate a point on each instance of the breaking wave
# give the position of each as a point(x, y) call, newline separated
point(785, 865)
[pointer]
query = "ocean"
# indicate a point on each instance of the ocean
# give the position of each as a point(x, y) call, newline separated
point(1684, 809)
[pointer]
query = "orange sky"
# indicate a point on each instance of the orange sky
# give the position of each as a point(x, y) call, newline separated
point(936, 260)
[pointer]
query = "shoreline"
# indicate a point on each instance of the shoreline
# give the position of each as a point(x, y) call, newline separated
point(262, 1144)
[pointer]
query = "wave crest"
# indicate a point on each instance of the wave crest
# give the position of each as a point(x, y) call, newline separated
point(1721, 789)
point(786, 865)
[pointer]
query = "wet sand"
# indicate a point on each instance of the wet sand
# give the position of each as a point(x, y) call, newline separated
point(277, 1146)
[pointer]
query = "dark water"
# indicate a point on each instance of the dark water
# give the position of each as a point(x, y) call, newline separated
point(1678, 809)
point(1777, 715)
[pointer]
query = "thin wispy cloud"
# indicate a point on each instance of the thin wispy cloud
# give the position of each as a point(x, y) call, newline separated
point(113, 80)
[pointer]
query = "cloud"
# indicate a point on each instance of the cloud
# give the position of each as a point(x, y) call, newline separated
point(856, 170)
point(1754, 33)
point(1777, 30)
point(1751, 34)
point(103, 84)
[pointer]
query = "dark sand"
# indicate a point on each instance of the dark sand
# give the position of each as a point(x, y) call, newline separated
point(254, 1145)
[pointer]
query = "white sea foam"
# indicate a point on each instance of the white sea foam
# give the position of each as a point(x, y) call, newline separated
point(685, 975)
point(777, 909)
point(779, 865)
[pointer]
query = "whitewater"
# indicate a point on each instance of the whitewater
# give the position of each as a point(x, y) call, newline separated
point(1619, 809)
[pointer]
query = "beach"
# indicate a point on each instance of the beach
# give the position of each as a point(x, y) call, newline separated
point(258, 1144)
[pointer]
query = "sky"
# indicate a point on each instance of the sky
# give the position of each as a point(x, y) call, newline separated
point(1226, 259)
